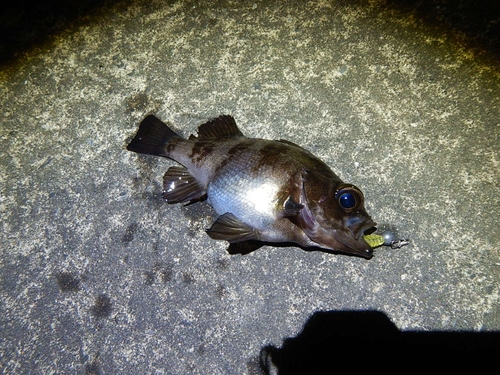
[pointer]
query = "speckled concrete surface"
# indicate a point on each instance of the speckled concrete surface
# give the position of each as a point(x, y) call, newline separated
point(99, 275)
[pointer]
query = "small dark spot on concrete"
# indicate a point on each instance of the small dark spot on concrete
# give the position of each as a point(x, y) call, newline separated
point(150, 277)
point(211, 23)
point(116, 59)
point(136, 181)
point(156, 248)
point(165, 271)
point(102, 306)
point(67, 282)
point(220, 291)
point(130, 233)
point(158, 265)
point(188, 278)
point(257, 86)
point(201, 349)
point(222, 264)
point(138, 102)
point(83, 356)
point(93, 367)
point(166, 275)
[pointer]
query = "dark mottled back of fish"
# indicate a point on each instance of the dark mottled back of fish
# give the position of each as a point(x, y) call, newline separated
point(263, 190)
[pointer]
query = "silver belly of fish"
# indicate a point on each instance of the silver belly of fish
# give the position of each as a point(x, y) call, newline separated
point(250, 199)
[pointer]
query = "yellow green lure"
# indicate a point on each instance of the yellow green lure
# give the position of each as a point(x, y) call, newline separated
point(374, 240)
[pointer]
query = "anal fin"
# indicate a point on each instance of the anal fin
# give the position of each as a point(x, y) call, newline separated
point(179, 186)
point(229, 228)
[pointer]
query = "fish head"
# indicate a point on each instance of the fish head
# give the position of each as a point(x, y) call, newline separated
point(335, 218)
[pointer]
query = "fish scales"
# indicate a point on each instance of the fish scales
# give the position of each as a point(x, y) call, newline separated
point(264, 190)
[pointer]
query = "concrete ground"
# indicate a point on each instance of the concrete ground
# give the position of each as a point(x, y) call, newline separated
point(100, 276)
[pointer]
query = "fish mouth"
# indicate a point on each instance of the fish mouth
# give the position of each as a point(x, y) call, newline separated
point(359, 226)
point(350, 240)
point(342, 240)
point(355, 246)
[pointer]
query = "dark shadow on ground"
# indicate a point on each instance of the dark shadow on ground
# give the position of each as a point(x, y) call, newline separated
point(331, 339)
point(475, 23)
point(25, 25)
point(28, 24)
point(247, 247)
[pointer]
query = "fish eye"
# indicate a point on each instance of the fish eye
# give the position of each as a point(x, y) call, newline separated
point(349, 197)
point(347, 201)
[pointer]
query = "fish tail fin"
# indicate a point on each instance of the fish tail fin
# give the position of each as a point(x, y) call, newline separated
point(152, 137)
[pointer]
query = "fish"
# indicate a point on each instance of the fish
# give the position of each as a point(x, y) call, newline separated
point(264, 191)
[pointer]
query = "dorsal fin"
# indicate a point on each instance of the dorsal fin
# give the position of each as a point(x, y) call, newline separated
point(221, 127)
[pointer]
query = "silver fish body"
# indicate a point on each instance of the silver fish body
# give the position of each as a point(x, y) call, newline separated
point(264, 190)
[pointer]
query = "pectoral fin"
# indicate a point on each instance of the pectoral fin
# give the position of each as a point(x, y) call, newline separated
point(291, 208)
point(179, 186)
point(229, 228)
point(288, 202)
